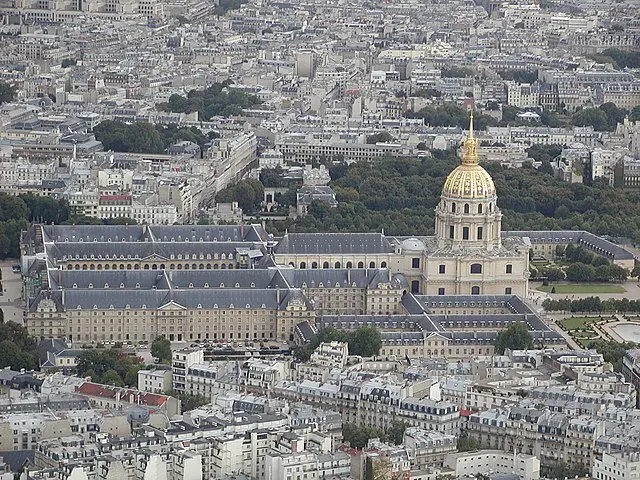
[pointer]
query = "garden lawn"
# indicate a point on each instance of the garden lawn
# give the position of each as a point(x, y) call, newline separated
point(578, 322)
point(583, 288)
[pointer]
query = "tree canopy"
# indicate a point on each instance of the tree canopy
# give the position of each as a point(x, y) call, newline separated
point(161, 349)
point(143, 137)
point(400, 195)
point(7, 92)
point(248, 193)
point(514, 337)
point(451, 115)
point(220, 99)
point(18, 350)
point(109, 366)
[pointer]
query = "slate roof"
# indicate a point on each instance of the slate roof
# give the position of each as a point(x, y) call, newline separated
point(333, 243)
point(577, 237)
point(188, 298)
point(140, 250)
point(143, 279)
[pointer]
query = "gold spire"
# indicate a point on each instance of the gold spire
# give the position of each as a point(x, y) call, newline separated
point(470, 155)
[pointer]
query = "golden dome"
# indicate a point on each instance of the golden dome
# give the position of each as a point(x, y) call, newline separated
point(469, 180)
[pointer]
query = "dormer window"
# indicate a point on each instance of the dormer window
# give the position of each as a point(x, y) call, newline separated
point(106, 285)
point(75, 285)
point(122, 285)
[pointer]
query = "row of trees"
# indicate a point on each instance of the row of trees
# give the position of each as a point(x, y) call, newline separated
point(602, 118)
point(16, 213)
point(358, 437)
point(364, 341)
point(219, 99)
point(144, 137)
point(592, 305)
point(580, 272)
point(399, 196)
point(451, 115)
point(618, 58)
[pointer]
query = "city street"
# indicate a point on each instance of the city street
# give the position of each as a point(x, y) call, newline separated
point(10, 301)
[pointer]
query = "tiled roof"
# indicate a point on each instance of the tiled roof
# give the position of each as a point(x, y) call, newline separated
point(126, 395)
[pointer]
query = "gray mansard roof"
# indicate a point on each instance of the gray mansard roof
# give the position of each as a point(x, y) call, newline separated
point(333, 243)
point(154, 233)
point(581, 237)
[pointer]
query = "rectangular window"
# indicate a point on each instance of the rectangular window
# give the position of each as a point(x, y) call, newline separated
point(465, 233)
point(441, 291)
point(509, 268)
point(479, 233)
point(415, 263)
point(451, 230)
point(441, 269)
point(507, 291)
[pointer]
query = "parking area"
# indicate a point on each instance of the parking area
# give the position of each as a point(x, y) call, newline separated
point(10, 300)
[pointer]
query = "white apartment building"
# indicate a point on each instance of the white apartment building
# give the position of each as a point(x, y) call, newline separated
point(491, 462)
point(301, 466)
point(118, 179)
point(181, 361)
point(617, 466)
point(154, 381)
point(331, 354)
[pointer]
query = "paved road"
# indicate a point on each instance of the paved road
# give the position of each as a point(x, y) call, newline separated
point(10, 301)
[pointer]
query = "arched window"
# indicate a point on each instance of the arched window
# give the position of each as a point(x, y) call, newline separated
point(453, 208)
point(476, 268)
point(480, 208)
point(349, 265)
point(383, 264)
point(303, 265)
point(325, 265)
point(314, 265)
point(337, 265)
point(360, 264)
point(372, 264)
point(475, 290)
point(466, 208)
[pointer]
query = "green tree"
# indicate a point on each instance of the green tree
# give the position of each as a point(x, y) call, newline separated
point(217, 99)
point(382, 137)
point(161, 349)
point(555, 275)
point(188, 402)
point(466, 443)
point(579, 272)
point(514, 337)
point(248, 193)
point(395, 433)
point(365, 341)
point(111, 377)
point(7, 92)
